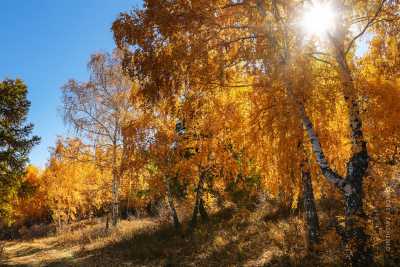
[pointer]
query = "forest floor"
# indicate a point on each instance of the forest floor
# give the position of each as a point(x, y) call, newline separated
point(231, 237)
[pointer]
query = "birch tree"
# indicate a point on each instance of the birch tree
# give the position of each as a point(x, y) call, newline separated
point(214, 41)
point(98, 110)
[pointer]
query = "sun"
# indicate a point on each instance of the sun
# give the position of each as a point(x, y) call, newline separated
point(318, 19)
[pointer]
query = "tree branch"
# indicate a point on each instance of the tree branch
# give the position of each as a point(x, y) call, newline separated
point(369, 23)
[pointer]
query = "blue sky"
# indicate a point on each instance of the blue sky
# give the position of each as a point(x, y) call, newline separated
point(47, 42)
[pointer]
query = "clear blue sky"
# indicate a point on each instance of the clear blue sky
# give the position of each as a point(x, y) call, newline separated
point(47, 42)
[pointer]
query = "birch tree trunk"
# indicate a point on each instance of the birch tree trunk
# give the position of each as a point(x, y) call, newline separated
point(128, 202)
point(357, 250)
point(115, 199)
point(171, 204)
point(359, 253)
point(310, 211)
point(115, 186)
point(198, 202)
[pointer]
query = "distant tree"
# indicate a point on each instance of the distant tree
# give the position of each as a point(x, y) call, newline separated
point(75, 186)
point(32, 205)
point(15, 141)
point(98, 109)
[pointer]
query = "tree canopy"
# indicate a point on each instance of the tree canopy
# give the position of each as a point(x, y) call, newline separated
point(15, 140)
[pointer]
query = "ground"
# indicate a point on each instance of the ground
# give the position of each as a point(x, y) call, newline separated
point(231, 237)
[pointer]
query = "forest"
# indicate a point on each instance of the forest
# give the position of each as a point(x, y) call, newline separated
point(217, 133)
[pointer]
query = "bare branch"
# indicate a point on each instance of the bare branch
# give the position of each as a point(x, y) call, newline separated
point(369, 23)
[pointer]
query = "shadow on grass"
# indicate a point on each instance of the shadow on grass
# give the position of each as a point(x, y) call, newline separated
point(163, 246)
point(279, 214)
point(241, 243)
point(229, 238)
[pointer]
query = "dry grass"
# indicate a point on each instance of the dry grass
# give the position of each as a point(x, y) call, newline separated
point(2, 248)
point(62, 247)
point(267, 236)
point(232, 237)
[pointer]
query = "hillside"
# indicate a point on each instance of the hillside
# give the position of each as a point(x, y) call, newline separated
point(266, 236)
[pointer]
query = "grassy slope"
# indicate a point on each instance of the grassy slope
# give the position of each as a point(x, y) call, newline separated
point(268, 236)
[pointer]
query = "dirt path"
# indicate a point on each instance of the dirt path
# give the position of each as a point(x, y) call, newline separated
point(34, 253)
point(40, 252)
point(69, 248)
